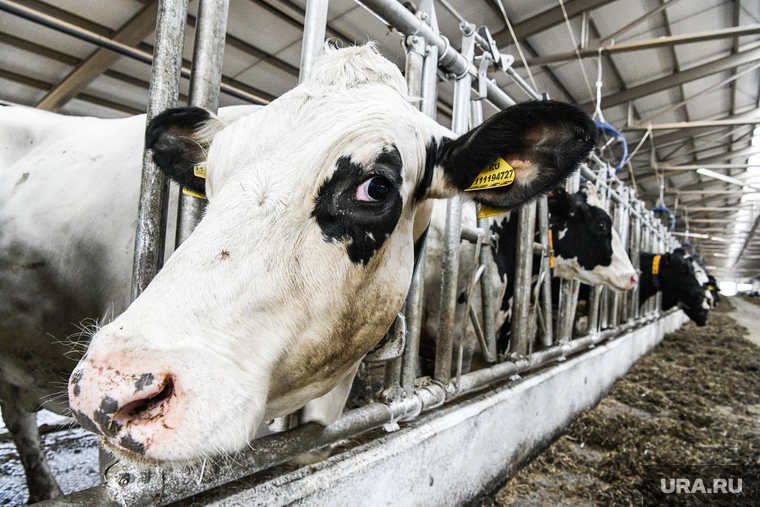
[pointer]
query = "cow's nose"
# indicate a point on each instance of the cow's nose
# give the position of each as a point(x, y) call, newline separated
point(633, 280)
point(131, 410)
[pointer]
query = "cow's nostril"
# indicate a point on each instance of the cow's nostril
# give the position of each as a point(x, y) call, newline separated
point(149, 407)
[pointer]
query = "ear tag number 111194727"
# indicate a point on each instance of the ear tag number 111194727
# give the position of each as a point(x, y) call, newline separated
point(498, 174)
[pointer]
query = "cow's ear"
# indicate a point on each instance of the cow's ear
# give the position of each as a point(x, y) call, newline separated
point(180, 139)
point(542, 142)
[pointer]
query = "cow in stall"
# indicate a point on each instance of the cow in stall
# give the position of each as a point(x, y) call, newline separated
point(68, 210)
point(704, 280)
point(297, 269)
point(673, 275)
point(586, 248)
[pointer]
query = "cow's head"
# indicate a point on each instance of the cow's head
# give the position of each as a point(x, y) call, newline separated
point(586, 246)
point(304, 255)
point(679, 285)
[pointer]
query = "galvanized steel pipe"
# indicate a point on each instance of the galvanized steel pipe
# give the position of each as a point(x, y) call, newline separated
point(205, 79)
point(154, 186)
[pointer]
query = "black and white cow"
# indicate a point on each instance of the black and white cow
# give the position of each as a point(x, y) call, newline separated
point(303, 257)
point(673, 275)
point(704, 280)
point(68, 208)
point(586, 247)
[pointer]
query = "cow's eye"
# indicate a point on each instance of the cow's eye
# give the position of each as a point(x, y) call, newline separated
point(603, 227)
point(373, 190)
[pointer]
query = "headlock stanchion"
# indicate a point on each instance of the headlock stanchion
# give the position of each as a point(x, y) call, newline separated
point(154, 189)
point(541, 333)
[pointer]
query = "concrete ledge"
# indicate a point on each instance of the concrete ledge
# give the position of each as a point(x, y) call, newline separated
point(449, 455)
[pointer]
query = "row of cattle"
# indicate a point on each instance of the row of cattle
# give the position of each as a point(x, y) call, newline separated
point(317, 203)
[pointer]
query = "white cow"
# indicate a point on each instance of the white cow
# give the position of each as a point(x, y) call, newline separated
point(303, 257)
point(68, 209)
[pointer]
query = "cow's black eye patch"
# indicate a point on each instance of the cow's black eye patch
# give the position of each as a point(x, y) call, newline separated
point(361, 204)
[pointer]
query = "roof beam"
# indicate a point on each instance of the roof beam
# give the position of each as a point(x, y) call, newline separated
point(42, 85)
point(592, 51)
point(546, 20)
point(133, 31)
point(693, 124)
point(678, 78)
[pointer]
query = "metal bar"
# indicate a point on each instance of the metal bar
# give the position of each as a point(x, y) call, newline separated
point(414, 299)
point(486, 260)
point(314, 28)
point(634, 253)
point(154, 187)
point(449, 59)
point(205, 80)
point(413, 73)
point(449, 277)
point(546, 298)
point(523, 270)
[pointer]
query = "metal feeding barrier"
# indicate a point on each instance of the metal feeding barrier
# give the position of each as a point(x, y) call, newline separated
point(404, 396)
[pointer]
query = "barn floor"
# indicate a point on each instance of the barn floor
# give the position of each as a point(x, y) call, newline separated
point(695, 399)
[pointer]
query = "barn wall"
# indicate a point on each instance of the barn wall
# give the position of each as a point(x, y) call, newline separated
point(449, 455)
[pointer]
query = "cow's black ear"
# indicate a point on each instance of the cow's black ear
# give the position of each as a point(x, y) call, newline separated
point(541, 141)
point(179, 139)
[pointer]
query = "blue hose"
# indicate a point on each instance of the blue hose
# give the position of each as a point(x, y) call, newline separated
point(664, 208)
point(609, 130)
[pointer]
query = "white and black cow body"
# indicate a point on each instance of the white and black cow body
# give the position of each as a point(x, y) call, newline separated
point(704, 280)
point(676, 280)
point(68, 208)
point(586, 247)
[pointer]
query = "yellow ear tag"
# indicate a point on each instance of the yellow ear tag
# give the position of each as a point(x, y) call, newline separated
point(498, 174)
point(200, 172)
point(551, 245)
point(488, 211)
point(656, 264)
point(187, 191)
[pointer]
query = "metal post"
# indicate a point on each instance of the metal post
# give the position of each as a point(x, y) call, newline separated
point(523, 270)
point(205, 80)
point(414, 299)
point(154, 189)
point(314, 28)
point(568, 288)
point(415, 47)
point(546, 300)
point(449, 277)
point(486, 260)
point(634, 253)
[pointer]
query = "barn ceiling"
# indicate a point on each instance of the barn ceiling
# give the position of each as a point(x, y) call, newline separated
point(680, 79)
